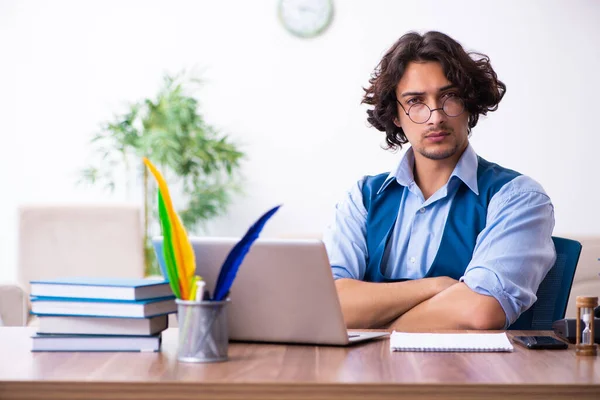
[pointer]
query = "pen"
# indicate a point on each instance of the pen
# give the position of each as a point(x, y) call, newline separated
point(199, 290)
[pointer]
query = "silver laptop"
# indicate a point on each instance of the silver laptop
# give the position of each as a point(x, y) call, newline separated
point(284, 291)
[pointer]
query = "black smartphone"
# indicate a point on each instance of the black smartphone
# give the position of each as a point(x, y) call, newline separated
point(540, 342)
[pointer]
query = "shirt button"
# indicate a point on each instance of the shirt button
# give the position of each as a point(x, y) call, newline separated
point(422, 210)
point(412, 260)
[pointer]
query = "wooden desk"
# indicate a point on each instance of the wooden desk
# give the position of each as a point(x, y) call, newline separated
point(260, 371)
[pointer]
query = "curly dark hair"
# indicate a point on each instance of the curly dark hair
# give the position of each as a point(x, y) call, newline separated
point(471, 73)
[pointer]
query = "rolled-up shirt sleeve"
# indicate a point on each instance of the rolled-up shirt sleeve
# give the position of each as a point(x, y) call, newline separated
point(344, 237)
point(515, 251)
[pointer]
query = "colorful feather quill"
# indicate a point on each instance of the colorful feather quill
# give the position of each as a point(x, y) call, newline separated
point(167, 247)
point(236, 256)
point(176, 246)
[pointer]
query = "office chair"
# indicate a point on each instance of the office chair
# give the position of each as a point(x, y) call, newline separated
point(553, 293)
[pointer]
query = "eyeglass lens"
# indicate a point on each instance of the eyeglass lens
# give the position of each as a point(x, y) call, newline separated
point(420, 113)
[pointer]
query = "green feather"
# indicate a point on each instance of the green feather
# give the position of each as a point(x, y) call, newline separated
point(168, 251)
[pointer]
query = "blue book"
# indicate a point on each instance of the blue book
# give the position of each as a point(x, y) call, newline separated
point(102, 308)
point(101, 288)
point(95, 343)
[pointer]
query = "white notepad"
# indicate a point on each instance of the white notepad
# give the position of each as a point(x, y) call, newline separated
point(459, 342)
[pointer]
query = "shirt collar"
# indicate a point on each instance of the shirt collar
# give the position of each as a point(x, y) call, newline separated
point(465, 170)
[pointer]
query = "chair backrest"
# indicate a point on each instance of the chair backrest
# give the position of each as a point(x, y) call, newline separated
point(553, 293)
point(586, 281)
point(79, 240)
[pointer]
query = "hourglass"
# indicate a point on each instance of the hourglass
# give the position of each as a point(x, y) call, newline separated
point(585, 345)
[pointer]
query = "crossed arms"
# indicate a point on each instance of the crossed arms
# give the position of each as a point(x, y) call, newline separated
point(422, 304)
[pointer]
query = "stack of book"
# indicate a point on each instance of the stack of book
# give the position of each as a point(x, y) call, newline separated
point(97, 314)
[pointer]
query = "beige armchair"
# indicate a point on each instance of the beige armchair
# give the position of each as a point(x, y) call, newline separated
point(586, 281)
point(13, 306)
point(79, 240)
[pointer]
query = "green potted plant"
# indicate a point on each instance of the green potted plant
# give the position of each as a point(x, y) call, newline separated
point(201, 164)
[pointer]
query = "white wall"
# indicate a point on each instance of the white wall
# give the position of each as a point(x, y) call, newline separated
point(66, 66)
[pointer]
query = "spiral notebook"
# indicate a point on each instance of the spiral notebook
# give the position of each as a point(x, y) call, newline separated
point(454, 342)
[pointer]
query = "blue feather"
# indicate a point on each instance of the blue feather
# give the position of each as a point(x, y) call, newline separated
point(236, 256)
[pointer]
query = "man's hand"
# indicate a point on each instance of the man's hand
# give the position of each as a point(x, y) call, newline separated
point(374, 305)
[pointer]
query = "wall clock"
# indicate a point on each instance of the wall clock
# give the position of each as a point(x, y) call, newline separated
point(305, 18)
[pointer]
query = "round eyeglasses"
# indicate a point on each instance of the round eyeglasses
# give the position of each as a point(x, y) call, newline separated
point(419, 113)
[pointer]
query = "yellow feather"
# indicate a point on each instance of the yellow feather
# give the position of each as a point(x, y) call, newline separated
point(187, 252)
point(184, 253)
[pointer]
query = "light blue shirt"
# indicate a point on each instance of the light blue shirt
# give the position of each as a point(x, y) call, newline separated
point(512, 254)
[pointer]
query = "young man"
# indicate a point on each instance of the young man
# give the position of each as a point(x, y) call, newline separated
point(447, 240)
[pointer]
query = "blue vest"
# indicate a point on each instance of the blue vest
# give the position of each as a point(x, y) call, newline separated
point(466, 219)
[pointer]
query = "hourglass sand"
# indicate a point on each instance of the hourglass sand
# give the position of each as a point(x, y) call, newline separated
point(585, 345)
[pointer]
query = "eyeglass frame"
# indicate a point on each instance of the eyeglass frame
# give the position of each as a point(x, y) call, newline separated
point(432, 110)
